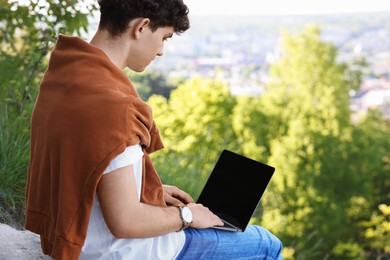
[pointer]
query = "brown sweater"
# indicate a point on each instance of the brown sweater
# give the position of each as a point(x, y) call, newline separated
point(87, 113)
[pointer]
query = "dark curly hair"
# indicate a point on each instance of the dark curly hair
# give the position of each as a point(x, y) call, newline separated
point(115, 15)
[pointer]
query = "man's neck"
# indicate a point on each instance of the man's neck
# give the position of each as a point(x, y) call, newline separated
point(113, 48)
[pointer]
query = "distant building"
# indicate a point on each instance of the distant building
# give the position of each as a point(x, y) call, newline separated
point(374, 94)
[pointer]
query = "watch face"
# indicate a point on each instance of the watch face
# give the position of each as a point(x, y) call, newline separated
point(187, 214)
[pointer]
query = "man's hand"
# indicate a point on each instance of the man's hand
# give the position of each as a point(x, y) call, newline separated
point(173, 196)
point(203, 217)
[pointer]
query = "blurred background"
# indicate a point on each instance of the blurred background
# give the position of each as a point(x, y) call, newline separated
point(303, 85)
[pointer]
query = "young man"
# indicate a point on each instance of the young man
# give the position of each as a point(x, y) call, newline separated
point(92, 190)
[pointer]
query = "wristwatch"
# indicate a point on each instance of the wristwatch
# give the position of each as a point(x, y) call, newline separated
point(186, 217)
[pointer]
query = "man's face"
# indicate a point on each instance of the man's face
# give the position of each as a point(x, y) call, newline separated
point(149, 45)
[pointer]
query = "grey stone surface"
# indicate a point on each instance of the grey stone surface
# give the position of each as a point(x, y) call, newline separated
point(19, 245)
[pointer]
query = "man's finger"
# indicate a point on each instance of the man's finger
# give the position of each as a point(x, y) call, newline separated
point(184, 196)
point(174, 202)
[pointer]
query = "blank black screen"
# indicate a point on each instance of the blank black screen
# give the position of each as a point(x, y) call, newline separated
point(235, 187)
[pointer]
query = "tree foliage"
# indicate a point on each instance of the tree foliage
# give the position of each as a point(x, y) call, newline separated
point(151, 83)
point(320, 160)
point(28, 30)
point(196, 123)
point(377, 233)
point(253, 128)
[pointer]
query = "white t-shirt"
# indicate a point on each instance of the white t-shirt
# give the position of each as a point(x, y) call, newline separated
point(101, 244)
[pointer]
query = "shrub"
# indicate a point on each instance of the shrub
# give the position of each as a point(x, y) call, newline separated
point(14, 156)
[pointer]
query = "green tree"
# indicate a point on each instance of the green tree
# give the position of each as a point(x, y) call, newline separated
point(195, 124)
point(370, 156)
point(377, 233)
point(253, 128)
point(308, 98)
point(149, 83)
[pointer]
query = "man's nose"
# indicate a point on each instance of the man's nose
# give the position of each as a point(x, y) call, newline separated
point(160, 51)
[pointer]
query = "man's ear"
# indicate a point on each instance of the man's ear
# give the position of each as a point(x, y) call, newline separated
point(138, 26)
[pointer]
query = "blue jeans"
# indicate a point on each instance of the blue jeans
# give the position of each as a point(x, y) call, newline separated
point(255, 243)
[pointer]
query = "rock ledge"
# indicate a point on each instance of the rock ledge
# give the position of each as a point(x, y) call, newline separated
point(21, 245)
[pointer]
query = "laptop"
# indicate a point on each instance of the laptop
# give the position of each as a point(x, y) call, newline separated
point(234, 189)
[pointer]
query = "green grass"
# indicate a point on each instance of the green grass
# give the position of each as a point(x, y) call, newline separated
point(14, 156)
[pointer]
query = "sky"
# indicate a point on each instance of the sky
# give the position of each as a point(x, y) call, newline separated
point(284, 7)
point(275, 7)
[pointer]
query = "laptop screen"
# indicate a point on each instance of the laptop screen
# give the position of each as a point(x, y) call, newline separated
point(235, 187)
